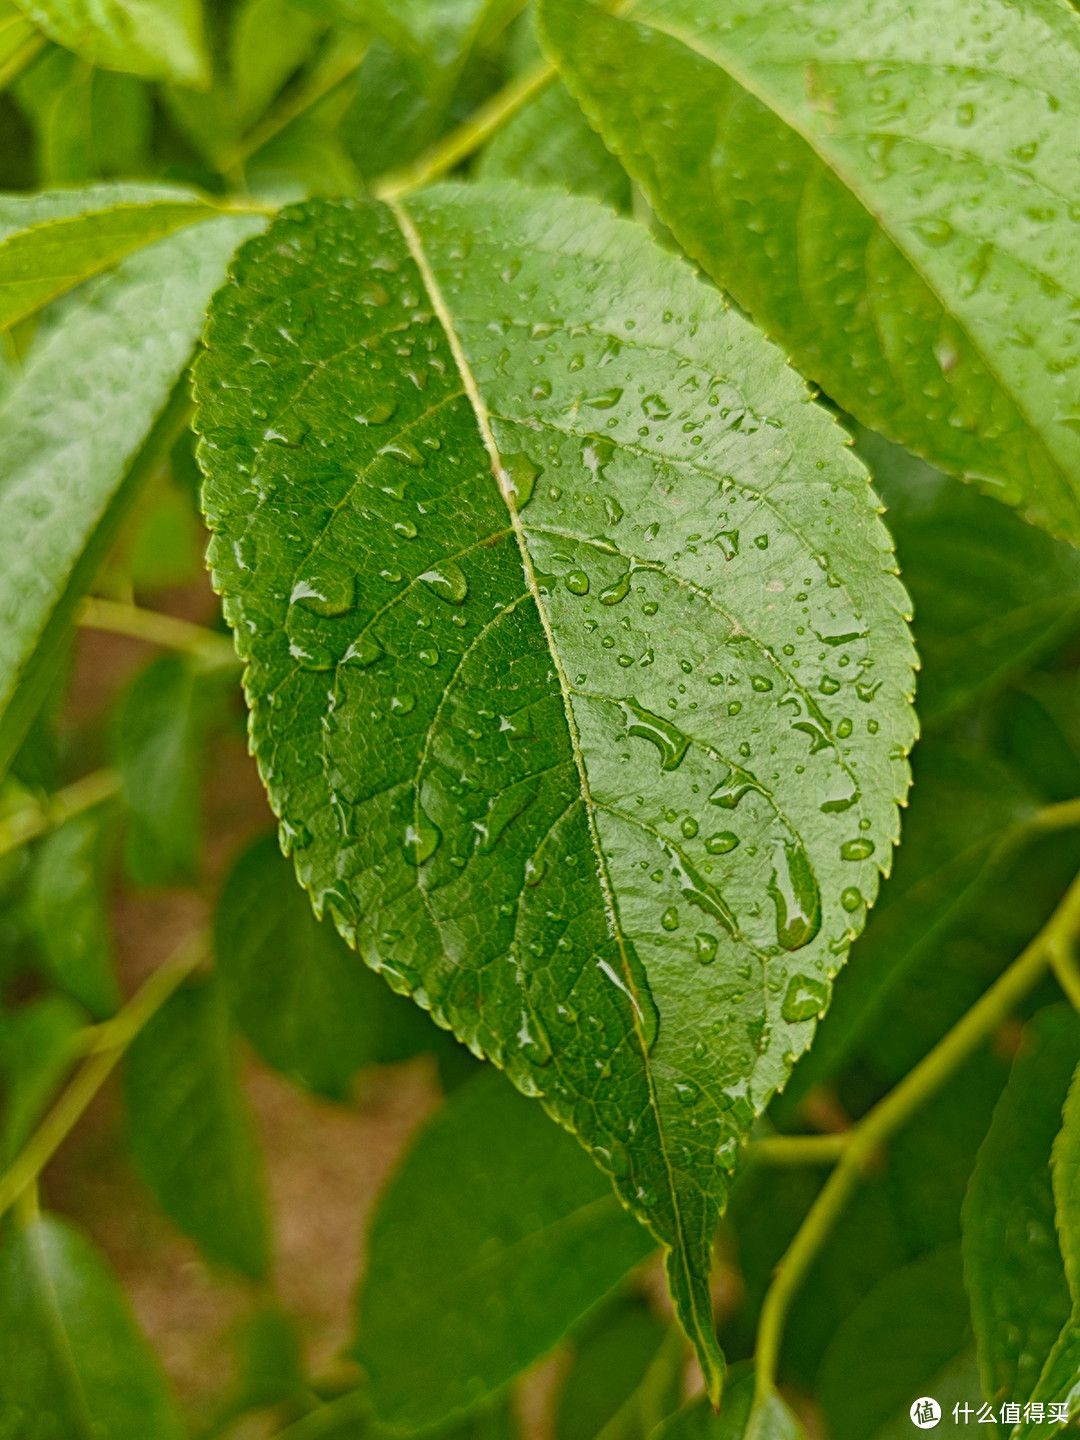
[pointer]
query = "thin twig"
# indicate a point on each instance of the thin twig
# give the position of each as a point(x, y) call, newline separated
point(213, 651)
point(110, 1041)
point(34, 818)
point(901, 1103)
point(800, 1149)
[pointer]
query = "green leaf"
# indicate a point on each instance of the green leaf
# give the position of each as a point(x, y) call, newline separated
point(299, 994)
point(991, 594)
point(773, 1419)
point(75, 1364)
point(459, 688)
point(493, 1238)
point(67, 906)
point(698, 1421)
point(19, 40)
point(550, 143)
point(55, 240)
point(57, 92)
point(889, 1350)
point(437, 37)
point(192, 1135)
point(38, 1043)
point(891, 193)
point(79, 431)
point(1012, 1264)
point(609, 1361)
point(159, 39)
point(268, 41)
point(157, 733)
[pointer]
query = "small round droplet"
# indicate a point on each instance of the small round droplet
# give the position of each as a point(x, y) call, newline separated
point(860, 849)
point(447, 581)
point(805, 998)
point(670, 918)
point(428, 657)
point(851, 898)
point(721, 842)
point(577, 582)
point(687, 1092)
point(761, 683)
point(705, 947)
point(689, 826)
point(402, 704)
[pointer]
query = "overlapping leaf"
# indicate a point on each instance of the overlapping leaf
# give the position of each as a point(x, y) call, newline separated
point(493, 1239)
point(72, 429)
point(578, 670)
point(161, 39)
point(54, 240)
point(890, 189)
point(74, 1361)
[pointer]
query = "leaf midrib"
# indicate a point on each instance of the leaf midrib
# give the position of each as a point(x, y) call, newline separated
point(743, 79)
point(442, 309)
point(54, 1320)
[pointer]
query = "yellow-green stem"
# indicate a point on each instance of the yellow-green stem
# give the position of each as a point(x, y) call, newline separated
point(212, 651)
point(34, 819)
point(457, 146)
point(110, 1041)
point(875, 1128)
point(800, 1149)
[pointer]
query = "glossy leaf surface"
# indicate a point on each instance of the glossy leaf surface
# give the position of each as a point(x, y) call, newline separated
point(192, 1134)
point(295, 987)
point(578, 668)
point(161, 39)
point(53, 241)
point(71, 427)
point(494, 1237)
point(1012, 1263)
point(888, 189)
point(75, 1365)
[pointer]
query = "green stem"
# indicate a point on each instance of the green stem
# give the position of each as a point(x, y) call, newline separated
point(352, 1406)
point(875, 1128)
point(800, 1149)
point(34, 819)
point(213, 652)
point(111, 1040)
point(461, 143)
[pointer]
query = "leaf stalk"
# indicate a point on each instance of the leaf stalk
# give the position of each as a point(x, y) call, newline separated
point(36, 818)
point(211, 651)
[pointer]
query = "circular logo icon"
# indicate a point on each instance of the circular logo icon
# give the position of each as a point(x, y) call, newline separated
point(925, 1413)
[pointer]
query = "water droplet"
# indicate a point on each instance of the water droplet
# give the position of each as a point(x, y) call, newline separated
point(637, 991)
point(829, 685)
point(596, 454)
point(651, 531)
point(362, 652)
point(577, 582)
point(851, 898)
point(698, 892)
point(687, 1092)
point(378, 412)
point(421, 838)
point(860, 849)
point(761, 541)
point(843, 730)
point(428, 656)
point(670, 918)
point(721, 842)
point(728, 541)
point(669, 740)
point(689, 826)
point(805, 998)
point(406, 452)
point(532, 1041)
point(541, 390)
point(502, 808)
point(656, 407)
point(534, 870)
point(935, 231)
point(727, 1154)
point(612, 594)
point(604, 399)
point(705, 947)
point(447, 581)
point(819, 740)
point(613, 510)
point(730, 791)
point(406, 528)
point(795, 893)
point(311, 656)
point(521, 476)
point(326, 595)
point(402, 704)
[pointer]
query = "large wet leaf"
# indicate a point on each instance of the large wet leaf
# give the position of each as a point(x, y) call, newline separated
point(890, 189)
point(77, 437)
point(578, 668)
